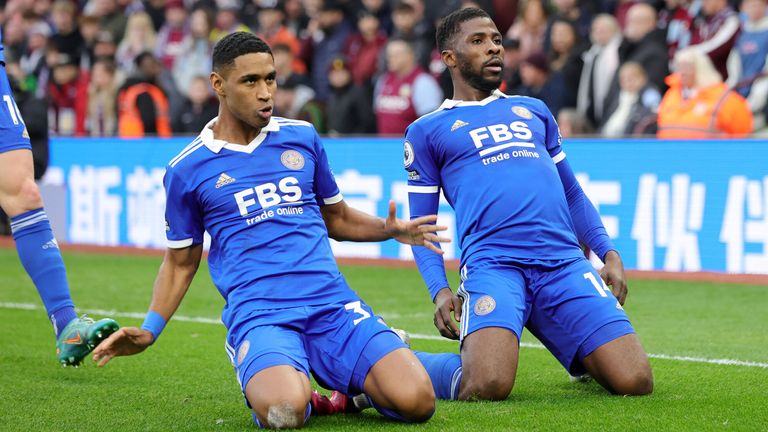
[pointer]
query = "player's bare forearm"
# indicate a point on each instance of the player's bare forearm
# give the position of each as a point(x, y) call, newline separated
point(173, 279)
point(613, 275)
point(345, 223)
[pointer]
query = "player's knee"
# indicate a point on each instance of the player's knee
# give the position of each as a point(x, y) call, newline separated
point(636, 382)
point(417, 403)
point(283, 413)
point(28, 196)
point(490, 387)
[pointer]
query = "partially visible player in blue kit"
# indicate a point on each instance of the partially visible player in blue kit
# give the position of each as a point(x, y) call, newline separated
point(262, 187)
point(37, 248)
point(520, 215)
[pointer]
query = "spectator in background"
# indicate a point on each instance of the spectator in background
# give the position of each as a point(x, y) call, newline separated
point(14, 29)
point(101, 116)
point(283, 57)
point(714, 32)
point(349, 106)
point(273, 32)
point(111, 16)
point(195, 56)
point(297, 101)
point(408, 28)
point(156, 11)
point(296, 20)
point(170, 38)
point(601, 61)
point(530, 26)
point(32, 60)
point(66, 35)
point(572, 11)
point(380, 9)
point(89, 29)
point(405, 92)
point(105, 46)
point(644, 44)
point(139, 37)
point(572, 123)
point(325, 44)
point(143, 107)
point(539, 82)
point(747, 66)
point(633, 114)
point(675, 19)
point(227, 20)
point(68, 97)
point(365, 46)
point(34, 111)
point(699, 104)
point(199, 108)
point(565, 59)
point(512, 60)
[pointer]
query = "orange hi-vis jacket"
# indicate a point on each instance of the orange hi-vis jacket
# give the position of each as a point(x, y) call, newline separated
point(713, 112)
point(129, 124)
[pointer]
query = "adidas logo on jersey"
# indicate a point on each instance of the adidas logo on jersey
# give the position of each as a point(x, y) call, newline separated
point(223, 180)
point(457, 124)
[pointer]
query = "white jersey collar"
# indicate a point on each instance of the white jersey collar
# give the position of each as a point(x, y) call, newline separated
point(451, 103)
point(215, 145)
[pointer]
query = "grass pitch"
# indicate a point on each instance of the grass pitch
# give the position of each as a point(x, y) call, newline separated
point(185, 381)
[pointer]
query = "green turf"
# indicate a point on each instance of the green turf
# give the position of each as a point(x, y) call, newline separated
point(185, 381)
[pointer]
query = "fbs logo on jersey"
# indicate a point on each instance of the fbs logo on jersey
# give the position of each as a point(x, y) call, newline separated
point(457, 124)
point(224, 180)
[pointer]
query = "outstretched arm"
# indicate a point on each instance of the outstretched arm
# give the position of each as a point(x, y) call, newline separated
point(173, 279)
point(590, 231)
point(346, 223)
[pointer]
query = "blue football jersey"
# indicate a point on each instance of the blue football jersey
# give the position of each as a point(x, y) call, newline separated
point(495, 161)
point(260, 204)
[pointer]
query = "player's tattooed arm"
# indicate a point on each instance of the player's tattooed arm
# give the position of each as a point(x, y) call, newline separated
point(173, 279)
point(346, 223)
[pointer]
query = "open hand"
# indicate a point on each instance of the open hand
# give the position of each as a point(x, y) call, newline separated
point(124, 342)
point(419, 232)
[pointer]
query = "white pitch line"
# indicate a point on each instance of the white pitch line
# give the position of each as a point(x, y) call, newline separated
point(204, 320)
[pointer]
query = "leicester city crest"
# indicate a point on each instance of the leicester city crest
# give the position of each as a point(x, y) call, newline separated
point(408, 155)
point(243, 351)
point(292, 159)
point(485, 305)
point(522, 111)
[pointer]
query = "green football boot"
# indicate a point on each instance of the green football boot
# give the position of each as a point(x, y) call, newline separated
point(80, 337)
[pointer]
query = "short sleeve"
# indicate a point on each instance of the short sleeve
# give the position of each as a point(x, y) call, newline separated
point(419, 162)
point(326, 190)
point(553, 138)
point(183, 217)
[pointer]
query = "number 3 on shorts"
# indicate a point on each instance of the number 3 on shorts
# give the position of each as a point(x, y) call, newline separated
point(357, 308)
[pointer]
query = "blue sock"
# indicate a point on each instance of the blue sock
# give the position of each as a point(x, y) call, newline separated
point(307, 413)
point(40, 256)
point(444, 370)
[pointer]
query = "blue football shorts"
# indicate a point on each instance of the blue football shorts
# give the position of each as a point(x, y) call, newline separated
point(565, 305)
point(13, 133)
point(337, 343)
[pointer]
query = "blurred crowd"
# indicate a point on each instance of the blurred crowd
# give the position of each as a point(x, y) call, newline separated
point(613, 68)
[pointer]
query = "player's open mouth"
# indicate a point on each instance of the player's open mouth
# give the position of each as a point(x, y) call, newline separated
point(265, 112)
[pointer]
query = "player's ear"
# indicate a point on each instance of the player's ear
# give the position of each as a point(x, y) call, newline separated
point(217, 83)
point(449, 58)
